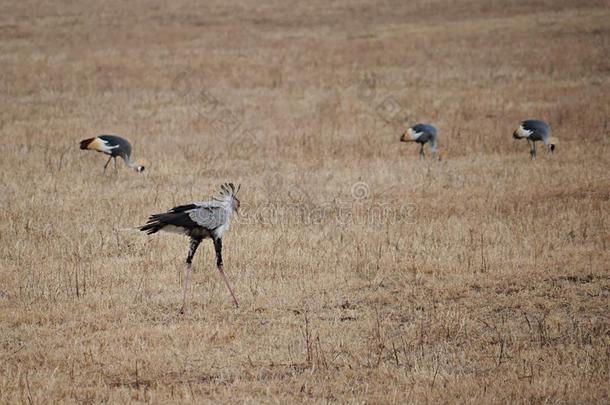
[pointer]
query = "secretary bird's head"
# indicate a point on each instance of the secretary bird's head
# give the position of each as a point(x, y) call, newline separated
point(228, 194)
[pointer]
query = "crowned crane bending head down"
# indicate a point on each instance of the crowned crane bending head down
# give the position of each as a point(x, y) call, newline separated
point(113, 146)
point(422, 134)
point(534, 131)
point(199, 220)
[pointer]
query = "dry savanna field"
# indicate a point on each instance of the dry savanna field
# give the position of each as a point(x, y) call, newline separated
point(364, 274)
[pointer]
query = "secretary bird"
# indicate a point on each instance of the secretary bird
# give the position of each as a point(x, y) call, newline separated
point(534, 131)
point(422, 134)
point(200, 220)
point(113, 146)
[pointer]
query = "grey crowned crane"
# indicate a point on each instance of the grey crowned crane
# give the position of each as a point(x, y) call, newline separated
point(534, 131)
point(199, 220)
point(422, 134)
point(113, 146)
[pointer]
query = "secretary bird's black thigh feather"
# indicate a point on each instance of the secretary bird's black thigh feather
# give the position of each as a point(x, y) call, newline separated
point(218, 249)
point(194, 244)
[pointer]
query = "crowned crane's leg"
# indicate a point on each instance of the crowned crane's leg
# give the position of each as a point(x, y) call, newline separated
point(115, 168)
point(218, 248)
point(534, 149)
point(421, 152)
point(106, 165)
point(187, 272)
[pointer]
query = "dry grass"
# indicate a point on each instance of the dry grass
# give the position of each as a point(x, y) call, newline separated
point(485, 280)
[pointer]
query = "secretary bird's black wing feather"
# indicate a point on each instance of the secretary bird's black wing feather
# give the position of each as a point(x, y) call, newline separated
point(175, 221)
point(189, 219)
point(182, 208)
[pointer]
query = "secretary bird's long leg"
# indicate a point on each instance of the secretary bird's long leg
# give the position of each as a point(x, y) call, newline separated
point(187, 272)
point(115, 168)
point(218, 248)
point(106, 165)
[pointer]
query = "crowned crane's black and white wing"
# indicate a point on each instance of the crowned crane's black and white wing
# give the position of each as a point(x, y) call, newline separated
point(109, 144)
point(425, 132)
point(422, 134)
point(113, 146)
point(534, 130)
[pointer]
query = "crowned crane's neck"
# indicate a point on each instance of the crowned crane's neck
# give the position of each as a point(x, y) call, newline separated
point(132, 164)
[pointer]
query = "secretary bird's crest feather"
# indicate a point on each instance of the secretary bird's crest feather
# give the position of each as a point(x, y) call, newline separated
point(227, 190)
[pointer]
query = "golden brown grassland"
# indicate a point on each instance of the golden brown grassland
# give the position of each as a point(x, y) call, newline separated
point(485, 278)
